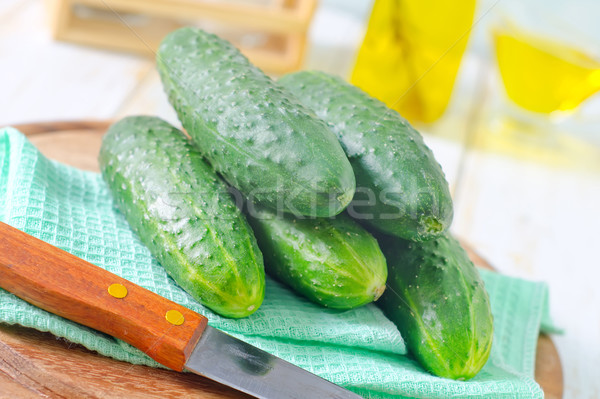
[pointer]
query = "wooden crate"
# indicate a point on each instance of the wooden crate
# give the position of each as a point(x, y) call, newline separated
point(271, 33)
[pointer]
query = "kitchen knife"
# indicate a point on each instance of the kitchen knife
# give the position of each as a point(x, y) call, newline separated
point(171, 334)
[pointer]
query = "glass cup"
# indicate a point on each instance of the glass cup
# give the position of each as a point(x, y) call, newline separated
point(547, 68)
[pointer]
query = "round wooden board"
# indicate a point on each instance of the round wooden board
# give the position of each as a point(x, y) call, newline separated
point(34, 364)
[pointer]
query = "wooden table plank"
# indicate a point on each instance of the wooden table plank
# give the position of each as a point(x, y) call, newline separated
point(448, 137)
point(149, 99)
point(541, 222)
point(47, 80)
point(533, 212)
point(9, 7)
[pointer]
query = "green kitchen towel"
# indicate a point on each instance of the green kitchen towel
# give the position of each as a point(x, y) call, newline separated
point(359, 349)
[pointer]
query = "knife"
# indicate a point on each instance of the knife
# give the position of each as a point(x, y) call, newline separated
point(171, 334)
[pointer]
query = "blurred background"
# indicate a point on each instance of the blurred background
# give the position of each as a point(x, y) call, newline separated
point(506, 93)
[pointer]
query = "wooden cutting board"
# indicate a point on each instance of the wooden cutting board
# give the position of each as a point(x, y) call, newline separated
point(34, 364)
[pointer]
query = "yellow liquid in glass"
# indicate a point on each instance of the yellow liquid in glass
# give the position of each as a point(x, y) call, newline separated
point(542, 76)
point(411, 54)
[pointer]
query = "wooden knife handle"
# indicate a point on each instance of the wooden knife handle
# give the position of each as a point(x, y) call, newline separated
point(68, 286)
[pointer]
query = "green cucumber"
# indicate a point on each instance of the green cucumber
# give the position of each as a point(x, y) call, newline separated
point(333, 262)
point(400, 187)
point(438, 301)
point(256, 135)
point(183, 212)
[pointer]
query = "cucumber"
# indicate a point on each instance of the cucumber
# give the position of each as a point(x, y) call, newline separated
point(401, 189)
point(184, 214)
point(333, 262)
point(256, 135)
point(438, 301)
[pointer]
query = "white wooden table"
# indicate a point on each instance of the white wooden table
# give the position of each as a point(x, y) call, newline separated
point(529, 219)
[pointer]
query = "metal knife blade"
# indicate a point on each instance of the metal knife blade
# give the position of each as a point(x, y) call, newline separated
point(233, 362)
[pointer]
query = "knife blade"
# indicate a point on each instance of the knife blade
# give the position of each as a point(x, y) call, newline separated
point(171, 334)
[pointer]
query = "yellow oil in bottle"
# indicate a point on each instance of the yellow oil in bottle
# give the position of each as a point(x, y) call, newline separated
point(411, 53)
point(544, 76)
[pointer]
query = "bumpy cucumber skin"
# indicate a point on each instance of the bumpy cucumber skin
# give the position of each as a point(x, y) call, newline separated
point(401, 188)
point(256, 135)
point(438, 301)
point(184, 214)
point(332, 262)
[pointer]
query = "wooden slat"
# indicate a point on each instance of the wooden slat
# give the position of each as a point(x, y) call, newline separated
point(241, 14)
point(284, 26)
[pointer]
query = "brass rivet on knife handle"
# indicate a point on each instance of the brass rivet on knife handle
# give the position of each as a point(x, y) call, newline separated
point(174, 317)
point(68, 286)
point(118, 291)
